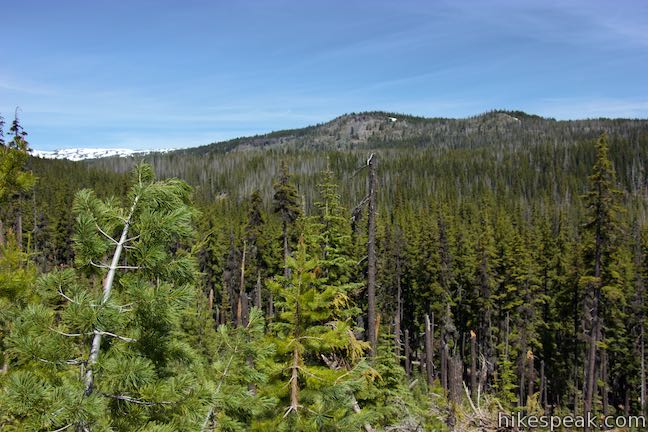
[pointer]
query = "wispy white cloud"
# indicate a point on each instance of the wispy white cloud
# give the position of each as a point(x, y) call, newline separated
point(446, 58)
point(23, 87)
point(570, 108)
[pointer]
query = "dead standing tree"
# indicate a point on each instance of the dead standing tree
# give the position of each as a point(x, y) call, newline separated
point(370, 200)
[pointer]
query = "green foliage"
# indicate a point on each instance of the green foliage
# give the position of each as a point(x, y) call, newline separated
point(243, 354)
point(14, 177)
point(148, 371)
point(478, 220)
point(312, 328)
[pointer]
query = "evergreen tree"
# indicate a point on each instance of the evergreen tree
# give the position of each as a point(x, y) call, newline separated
point(312, 333)
point(251, 243)
point(138, 366)
point(483, 295)
point(242, 354)
point(15, 178)
point(335, 239)
point(17, 274)
point(286, 205)
point(602, 290)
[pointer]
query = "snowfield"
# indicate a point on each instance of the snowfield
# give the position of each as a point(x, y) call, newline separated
point(91, 153)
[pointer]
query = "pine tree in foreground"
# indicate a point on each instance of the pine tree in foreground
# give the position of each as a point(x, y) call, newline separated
point(105, 348)
point(238, 369)
point(317, 354)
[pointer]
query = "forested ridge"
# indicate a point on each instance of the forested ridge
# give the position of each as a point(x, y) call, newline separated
point(377, 272)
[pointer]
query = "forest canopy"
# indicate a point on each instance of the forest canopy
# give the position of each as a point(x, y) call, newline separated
point(364, 274)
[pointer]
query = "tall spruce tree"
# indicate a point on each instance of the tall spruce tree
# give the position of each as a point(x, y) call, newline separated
point(603, 225)
point(15, 178)
point(287, 206)
point(17, 273)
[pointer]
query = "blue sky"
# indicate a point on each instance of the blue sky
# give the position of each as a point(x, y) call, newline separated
point(156, 74)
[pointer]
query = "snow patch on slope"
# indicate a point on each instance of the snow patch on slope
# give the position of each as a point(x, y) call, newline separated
point(78, 154)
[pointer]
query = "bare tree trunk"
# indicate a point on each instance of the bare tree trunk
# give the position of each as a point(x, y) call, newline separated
point(19, 228)
point(210, 299)
point(473, 365)
point(643, 371)
point(270, 306)
point(590, 375)
point(626, 401)
point(2, 233)
point(604, 378)
point(408, 354)
point(5, 363)
point(399, 312)
point(356, 409)
point(444, 365)
point(371, 257)
point(257, 298)
point(531, 372)
point(429, 367)
point(294, 383)
point(242, 296)
point(107, 288)
point(286, 251)
point(421, 362)
point(543, 386)
point(224, 318)
point(455, 381)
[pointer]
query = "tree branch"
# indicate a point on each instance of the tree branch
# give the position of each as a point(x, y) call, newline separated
point(104, 333)
point(68, 362)
point(66, 334)
point(62, 429)
point(132, 238)
point(135, 400)
point(105, 234)
point(67, 298)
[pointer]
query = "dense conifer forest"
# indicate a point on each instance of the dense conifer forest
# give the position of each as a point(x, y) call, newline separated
point(380, 272)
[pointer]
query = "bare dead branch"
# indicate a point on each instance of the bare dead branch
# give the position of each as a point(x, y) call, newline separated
point(67, 298)
point(66, 334)
point(104, 333)
point(62, 428)
point(67, 362)
point(135, 400)
point(127, 267)
point(105, 234)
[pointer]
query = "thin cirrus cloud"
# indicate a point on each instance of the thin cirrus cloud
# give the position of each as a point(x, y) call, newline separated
point(169, 74)
point(564, 108)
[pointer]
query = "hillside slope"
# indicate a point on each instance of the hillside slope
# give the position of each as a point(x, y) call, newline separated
point(372, 130)
point(509, 154)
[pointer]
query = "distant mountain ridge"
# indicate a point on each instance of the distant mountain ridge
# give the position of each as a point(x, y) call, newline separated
point(373, 130)
point(369, 130)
